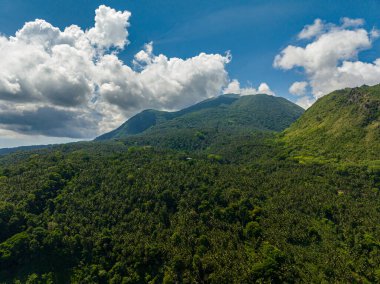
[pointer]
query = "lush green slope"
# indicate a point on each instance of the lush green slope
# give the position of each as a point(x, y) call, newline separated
point(106, 213)
point(344, 125)
point(259, 112)
point(137, 124)
point(149, 118)
point(210, 194)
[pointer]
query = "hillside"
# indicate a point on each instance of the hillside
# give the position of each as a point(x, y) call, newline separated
point(103, 212)
point(209, 194)
point(149, 118)
point(226, 112)
point(344, 125)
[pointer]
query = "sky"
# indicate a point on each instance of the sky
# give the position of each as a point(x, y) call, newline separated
point(72, 70)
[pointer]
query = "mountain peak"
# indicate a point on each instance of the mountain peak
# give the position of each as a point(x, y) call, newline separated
point(259, 112)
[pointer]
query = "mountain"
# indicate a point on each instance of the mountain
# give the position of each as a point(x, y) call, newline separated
point(343, 125)
point(208, 194)
point(150, 117)
point(256, 112)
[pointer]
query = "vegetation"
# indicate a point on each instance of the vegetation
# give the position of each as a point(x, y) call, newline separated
point(344, 125)
point(224, 113)
point(199, 204)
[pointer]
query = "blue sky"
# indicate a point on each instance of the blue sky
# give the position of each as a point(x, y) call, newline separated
point(253, 31)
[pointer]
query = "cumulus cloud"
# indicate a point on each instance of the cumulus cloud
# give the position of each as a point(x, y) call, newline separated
point(110, 28)
point(264, 89)
point(234, 88)
point(313, 30)
point(162, 82)
point(71, 82)
point(330, 59)
point(347, 22)
point(298, 88)
point(305, 102)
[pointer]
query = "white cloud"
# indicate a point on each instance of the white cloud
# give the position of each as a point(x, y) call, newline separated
point(375, 33)
point(75, 77)
point(234, 88)
point(313, 30)
point(264, 89)
point(347, 22)
point(305, 102)
point(330, 60)
point(161, 82)
point(110, 28)
point(144, 56)
point(298, 88)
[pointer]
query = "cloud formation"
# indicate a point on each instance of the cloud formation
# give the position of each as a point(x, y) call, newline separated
point(234, 88)
point(71, 82)
point(313, 30)
point(330, 58)
point(50, 121)
point(110, 28)
point(298, 88)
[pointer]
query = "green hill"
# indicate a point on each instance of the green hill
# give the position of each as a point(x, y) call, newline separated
point(104, 212)
point(149, 118)
point(344, 125)
point(208, 194)
point(226, 112)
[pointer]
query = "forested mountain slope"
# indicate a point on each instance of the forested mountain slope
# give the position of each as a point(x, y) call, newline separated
point(344, 125)
point(149, 118)
point(108, 213)
point(258, 112)
point(213, 195)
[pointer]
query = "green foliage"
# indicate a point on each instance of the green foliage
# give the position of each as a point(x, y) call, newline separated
point(223, 113)
point(194, 201)
point(89, 214)
point(214, 157)
point(342, 126)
